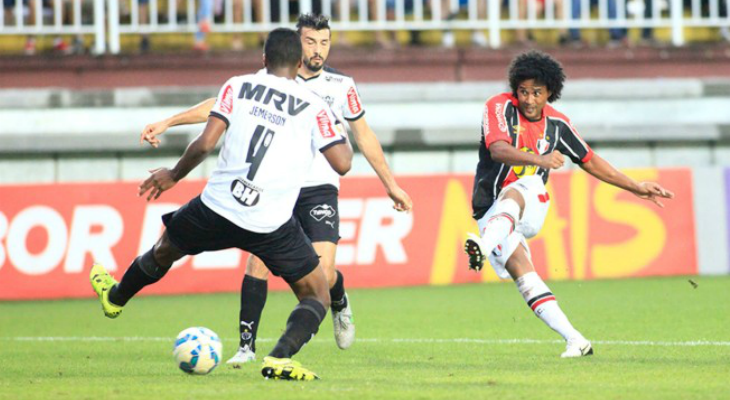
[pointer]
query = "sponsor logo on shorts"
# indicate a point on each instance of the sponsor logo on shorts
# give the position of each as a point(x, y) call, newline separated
point(325, 125)
point(497, 251)
point(322, 211)
point(353, 102)
point(227, 100)
point(245, 193)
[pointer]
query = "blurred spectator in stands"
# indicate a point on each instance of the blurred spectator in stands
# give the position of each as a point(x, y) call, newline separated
point(448, 14)
point(205, 17)
point(28, 13)
point(144, 19)
point(617, 36)
point(725, 30)
point(524, 37)
point(384, 39)
point(644, 9)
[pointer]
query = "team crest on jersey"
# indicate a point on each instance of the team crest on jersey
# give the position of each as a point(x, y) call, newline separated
point(322, 211)
point(245, 193)
point(325, 125)
point(353, 102)
point(227, 100)
point(543, 146)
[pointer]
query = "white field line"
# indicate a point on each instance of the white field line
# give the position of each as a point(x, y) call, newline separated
point(691, 343)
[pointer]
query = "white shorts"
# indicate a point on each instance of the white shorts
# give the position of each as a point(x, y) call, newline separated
point(537, 202)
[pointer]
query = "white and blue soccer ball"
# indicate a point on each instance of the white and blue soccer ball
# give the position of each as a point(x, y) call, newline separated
point(197, 350)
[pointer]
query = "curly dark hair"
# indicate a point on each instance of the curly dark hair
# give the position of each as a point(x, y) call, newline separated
point(539, 66)
point(313, 21)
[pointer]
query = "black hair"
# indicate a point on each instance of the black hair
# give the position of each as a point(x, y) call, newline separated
point(540, 67)
point(283, 48)
point(313, 21)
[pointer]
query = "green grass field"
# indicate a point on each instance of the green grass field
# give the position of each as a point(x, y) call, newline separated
point(654, 339)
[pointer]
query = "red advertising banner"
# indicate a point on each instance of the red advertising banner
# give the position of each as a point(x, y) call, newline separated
point(51, 234)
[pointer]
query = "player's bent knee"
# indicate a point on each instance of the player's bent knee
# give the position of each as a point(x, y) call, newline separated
point(151, 266)
point(165, 252)
point(516, 196)
point(256, 268)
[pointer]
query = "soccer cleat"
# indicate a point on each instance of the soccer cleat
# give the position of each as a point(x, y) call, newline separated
point(344, 325)
point(286, 369)
point(577, 348)
point(243, 356)
point(102, 282)
point(473, 248)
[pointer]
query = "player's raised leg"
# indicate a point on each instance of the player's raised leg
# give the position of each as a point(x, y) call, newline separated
point(541, 300)
point(503, 221)
point(342, 319)
point(303, 323)
point(253, 299)
point(145, 270)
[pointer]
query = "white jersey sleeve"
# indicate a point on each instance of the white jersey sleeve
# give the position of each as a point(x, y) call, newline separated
point(223, 108)
point(352, 108)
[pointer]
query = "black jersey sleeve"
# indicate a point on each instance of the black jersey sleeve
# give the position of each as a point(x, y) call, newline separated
point(571, 144)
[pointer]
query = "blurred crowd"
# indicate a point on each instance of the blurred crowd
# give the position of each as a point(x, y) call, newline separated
point(207, 13)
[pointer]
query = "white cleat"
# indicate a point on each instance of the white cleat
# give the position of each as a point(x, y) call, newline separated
point(344, 325)
point(577, 348)
point(243, 356)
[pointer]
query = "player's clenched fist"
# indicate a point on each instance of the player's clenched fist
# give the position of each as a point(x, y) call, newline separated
point(553, 160)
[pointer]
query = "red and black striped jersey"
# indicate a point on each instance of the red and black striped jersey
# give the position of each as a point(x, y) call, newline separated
point(502, 121)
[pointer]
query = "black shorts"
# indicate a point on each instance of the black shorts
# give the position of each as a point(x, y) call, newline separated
point(287, 252)
point(317, 212)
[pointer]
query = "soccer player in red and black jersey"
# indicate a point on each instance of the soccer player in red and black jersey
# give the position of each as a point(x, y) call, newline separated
point(523, 138)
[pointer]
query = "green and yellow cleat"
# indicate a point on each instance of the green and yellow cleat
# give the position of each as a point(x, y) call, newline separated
point(102, 282)
point(286, 369)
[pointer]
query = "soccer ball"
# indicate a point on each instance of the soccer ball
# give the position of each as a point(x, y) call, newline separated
point(197, 350)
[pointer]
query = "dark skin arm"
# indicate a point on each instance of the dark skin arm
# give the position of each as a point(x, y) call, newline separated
point(162, 179)
point(598, 167)
point(505, 153)
point(339, 157)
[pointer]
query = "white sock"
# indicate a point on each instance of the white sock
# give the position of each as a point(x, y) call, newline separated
point(507, 213)
point(543, 303)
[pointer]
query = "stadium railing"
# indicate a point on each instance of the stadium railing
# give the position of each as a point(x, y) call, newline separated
point(50, 19)
point(167, 16)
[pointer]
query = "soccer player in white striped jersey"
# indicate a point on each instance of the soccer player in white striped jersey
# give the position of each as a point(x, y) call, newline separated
point(316, 207)
point(273, 128)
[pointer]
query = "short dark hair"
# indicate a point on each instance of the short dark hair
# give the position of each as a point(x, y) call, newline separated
point(283, 48)
point(540, 67)
point(313, 21)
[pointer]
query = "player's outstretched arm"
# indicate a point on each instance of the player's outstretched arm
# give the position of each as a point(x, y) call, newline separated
point(606, 172)
point(339, 157)
point(162, 179)
point(373, 152)
point(196, 114)
point(505, 153)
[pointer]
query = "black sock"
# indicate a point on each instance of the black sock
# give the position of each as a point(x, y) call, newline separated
point(144, 271)
point(337, 293)
point(302, 325)
point(253, 299)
